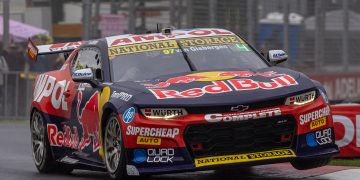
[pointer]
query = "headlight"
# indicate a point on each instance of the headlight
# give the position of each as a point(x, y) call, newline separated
point(163, 113)
point(301, 99)
point(324, 96)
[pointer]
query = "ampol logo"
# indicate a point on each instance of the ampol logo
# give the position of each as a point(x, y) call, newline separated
point(47, 87)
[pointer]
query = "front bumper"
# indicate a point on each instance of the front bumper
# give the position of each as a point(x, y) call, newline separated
point(159, 146)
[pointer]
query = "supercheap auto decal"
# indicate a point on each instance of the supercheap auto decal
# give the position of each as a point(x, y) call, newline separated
point(220, 82)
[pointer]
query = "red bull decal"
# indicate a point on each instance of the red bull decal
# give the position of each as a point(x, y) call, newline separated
point(89, 120)
point(211, 76)
point(223, 87)
point(58, 138)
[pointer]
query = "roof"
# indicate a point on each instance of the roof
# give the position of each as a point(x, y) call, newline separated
point(127, 39)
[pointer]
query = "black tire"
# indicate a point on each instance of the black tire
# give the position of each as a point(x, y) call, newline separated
point(303, 164)
point(45, 164)
point(116, 170)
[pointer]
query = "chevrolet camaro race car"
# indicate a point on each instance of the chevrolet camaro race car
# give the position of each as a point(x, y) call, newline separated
point(175, 101)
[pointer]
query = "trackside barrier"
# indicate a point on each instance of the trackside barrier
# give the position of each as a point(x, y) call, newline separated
point(15, 94)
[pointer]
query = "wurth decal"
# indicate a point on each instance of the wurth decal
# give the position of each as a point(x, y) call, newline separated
point(47, 86)
point(223, 87)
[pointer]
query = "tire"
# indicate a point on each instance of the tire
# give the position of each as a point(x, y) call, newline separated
point(41, 151)
point(303, 164)
point(114, 148)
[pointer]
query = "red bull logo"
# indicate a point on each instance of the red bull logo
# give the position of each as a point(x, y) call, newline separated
point(89, 120)
point(226, 86)
point(210, 76)
point(222, 82)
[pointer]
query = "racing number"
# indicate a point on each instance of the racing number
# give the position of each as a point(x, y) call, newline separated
point(168, 51)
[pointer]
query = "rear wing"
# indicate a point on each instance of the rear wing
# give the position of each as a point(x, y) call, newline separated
point(34, 51)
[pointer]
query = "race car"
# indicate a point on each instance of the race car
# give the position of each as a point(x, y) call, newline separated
point(175, 101)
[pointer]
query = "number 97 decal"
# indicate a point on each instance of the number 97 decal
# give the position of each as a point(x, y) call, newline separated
point(168, 51)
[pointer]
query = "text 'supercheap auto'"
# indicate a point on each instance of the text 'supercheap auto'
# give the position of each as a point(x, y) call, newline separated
point(175, 101)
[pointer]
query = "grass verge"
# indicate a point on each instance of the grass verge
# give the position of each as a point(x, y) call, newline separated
point(345, 162)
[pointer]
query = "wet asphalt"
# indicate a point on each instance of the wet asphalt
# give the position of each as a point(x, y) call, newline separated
point(16, 163)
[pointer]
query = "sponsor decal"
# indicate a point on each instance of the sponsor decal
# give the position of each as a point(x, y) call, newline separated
point(239, 108)
point(301, 99)
point(231, 117)
point(58, 138)
point(140, 156)
point(240, 158)
point(152, 132)
point(321, 137)
point(164, 155)
point(129, 115)
point(163, 112)
point(148, 141)
point(213, 40)
point(306, 118)
point(82, 73)
point(211, 76)
point(318, 123)
point(130, 39)
point(121, 95)
point(142, 47)
point(278, 55)
point(223, 87)
point(47, 86)
point(65, 46)
point(89, 116)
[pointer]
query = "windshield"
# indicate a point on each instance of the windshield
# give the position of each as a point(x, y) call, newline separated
point(149, 60)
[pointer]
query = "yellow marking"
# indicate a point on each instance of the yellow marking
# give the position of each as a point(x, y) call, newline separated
point(104, 98)
point(318, 123)
point(148, 140)
point(241, 158)
point(210, 41)
point(142, 47)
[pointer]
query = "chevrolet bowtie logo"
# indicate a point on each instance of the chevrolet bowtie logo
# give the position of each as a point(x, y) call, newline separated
point(239, 108)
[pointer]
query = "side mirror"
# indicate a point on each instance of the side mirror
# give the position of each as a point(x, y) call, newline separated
point(84, 76)
point(277, 56)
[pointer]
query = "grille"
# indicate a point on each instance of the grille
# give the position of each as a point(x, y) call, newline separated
point(240, 137)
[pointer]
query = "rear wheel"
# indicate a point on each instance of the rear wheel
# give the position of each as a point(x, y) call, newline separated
point(303, 164)
point(114, 148)
point(41, 149)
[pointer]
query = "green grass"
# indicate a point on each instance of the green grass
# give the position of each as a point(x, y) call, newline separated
point(13, 121)
point(345, 162)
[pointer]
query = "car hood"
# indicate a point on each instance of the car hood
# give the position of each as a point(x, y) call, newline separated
point(216, 87)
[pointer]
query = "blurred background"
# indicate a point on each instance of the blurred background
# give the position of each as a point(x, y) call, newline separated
point(321, 36)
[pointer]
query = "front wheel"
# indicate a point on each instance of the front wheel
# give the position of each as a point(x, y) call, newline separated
point(303, 164)
point(114, 148)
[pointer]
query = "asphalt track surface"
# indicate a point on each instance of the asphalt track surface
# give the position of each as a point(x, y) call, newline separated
point(16, 163)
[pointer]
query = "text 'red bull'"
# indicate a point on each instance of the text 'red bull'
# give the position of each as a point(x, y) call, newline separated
point(223, 87)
